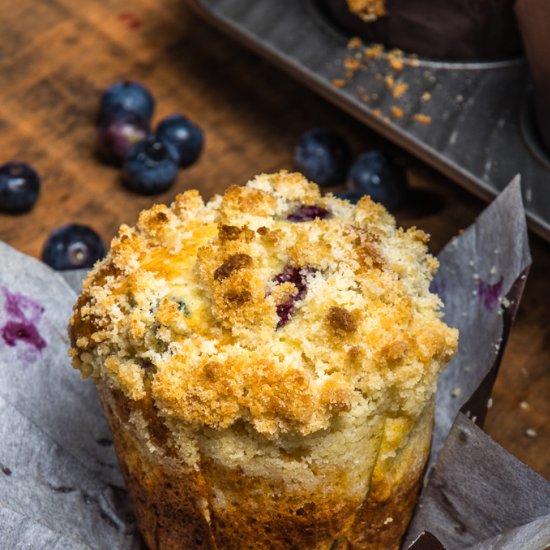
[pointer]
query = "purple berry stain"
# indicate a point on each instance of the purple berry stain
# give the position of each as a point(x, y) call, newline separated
point(23, 316)
point(16, 331)
point(490, 293)
point(307, 213)
point(296, 276)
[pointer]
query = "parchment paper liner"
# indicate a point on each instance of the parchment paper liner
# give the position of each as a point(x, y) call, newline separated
point(481, 497)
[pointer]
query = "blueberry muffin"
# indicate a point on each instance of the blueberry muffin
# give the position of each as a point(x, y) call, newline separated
point(267, 362)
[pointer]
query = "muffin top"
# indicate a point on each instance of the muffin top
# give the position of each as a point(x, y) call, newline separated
point(270, 305)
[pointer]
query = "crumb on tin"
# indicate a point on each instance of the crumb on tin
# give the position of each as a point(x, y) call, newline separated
point(397, 112)
point(423, 119)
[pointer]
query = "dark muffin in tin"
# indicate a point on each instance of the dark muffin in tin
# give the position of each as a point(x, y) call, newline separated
point(457, 30)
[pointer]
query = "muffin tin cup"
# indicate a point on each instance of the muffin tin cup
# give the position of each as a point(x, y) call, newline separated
point(470, 128)
point(454, 29)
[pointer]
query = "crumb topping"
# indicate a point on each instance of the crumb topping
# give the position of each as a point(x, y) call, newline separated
point(341, 320)
point(243, 310)
point(232, 264)
point(367, 10)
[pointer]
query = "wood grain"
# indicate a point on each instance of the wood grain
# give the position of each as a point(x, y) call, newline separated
point(56, 57)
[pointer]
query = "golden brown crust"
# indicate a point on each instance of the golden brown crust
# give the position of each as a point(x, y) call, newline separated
point(218, 507)
point(235, 262)
point(396, 483)
point(194, 285)
point(165, 500)
point(341, 320)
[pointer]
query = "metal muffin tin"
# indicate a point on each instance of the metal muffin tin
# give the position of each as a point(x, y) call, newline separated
point(481, 132)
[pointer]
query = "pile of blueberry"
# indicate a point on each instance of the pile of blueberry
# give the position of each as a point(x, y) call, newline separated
point(150, 163)
point(150, 160)
point(324, 157)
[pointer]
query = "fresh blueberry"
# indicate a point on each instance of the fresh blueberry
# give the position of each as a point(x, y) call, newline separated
point(19, 187)
point(305, 213)
point(323, 156)
point(118, 135)
point(351, 196)
point(184, 135)
point(374, 174)
point(151, 166)
point(126, 98)
point(296, 276)
point(73, 246)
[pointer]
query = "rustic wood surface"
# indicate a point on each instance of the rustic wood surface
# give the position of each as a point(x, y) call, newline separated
point(56, 57)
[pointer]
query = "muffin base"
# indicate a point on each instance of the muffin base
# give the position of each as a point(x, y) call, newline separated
point(174, 504)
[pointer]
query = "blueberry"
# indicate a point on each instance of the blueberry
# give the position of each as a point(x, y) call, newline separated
point(19, 187)
point(118, 135)
point(351, 196)
point(150, 166)
point(126, 98)
point(306, 213)
point(296, 276)
point(73, 246)
point(323, 156)
point(186, 137)
point(374, 174)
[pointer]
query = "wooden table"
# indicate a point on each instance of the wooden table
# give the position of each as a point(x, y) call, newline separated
point(57, 56)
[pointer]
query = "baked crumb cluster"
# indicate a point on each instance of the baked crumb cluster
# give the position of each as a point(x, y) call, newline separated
point(368, 10)
point(271, 305)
